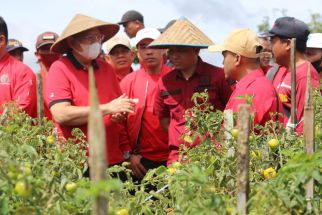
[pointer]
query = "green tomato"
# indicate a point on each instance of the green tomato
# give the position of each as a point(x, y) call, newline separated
point(26, 170)
point(12, 175)
point(50, 139)
point(122, 211)
point(71, 187)
point(273, 143)
point(251, 138)
point(234, 132)
point(22, 189)
point(176, 165)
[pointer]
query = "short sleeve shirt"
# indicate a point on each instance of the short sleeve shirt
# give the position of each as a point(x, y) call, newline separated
point(174, 94)
point(69, 81)
point(18, 83)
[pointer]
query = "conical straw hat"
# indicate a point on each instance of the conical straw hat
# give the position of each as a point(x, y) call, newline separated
point(82, 23)
point(182, 33)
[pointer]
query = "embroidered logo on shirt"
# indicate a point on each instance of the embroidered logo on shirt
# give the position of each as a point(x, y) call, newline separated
point(283, 97)
point(4, 78)
point(52, 95)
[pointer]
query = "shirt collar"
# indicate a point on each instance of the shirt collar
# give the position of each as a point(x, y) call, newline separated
point(198, 71)
point(250, 77)
point(5, 58)
point(77, 64)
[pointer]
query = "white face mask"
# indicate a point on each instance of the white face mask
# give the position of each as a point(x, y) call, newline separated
point(90, 51)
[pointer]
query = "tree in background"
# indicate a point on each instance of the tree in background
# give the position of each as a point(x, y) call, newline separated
point(315, 24)
point(264, 26)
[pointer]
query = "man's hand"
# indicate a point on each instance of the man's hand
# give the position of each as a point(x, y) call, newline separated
point(119, 105)
point(137, 168)
point(119, 117)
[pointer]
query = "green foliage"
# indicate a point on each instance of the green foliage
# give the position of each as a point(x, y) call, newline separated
point(44, 168)
point(315, 24)
point(264, 26)
point(203, 183)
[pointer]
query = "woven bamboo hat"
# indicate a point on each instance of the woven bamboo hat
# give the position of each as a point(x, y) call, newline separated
point(182, 33)
point(82, 23)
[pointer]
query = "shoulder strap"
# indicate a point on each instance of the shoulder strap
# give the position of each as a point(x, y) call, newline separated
point(272, 72)
point(136, 149)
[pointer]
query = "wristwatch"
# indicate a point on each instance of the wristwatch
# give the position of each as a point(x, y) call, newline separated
point(126, 155)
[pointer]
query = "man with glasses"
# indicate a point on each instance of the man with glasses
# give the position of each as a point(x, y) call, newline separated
point(265, 56)
point(17, 81)
point(45, 58)
point(120, 56)
point(67, 89)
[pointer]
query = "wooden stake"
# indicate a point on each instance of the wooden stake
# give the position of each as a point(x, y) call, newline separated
point(97, 145)
point(243, 158)
point(308, 132)
point(40, 98)
point(228, 123)
point(293, 122)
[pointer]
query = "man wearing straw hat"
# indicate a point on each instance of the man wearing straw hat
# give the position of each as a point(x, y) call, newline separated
point(67, 89)
point(284, 29)
point(241, 63)
point(184, 41)
point(17, 80)
point(148, 141)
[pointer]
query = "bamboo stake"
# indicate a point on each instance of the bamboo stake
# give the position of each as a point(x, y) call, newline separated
point(309, 135)
point(40, 98)
point(97, 146)
point(243, 158)
point(228, 123)
point(292, 125)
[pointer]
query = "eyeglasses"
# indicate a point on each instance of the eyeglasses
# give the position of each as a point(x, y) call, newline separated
point(93, 38)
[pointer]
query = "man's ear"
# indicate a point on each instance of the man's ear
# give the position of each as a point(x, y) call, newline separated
point(238, 59)
point(288, 45)
point(3, 41)
point(108, 59)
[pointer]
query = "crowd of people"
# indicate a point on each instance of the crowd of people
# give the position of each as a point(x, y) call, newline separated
point(143, 105)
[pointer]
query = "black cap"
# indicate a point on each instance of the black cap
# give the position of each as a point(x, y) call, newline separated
point(14, 44)
point(289, 27)
point(167, 26)
point(131, 15)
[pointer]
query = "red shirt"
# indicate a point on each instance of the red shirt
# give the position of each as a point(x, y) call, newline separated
point(18, 83)
point(68, 81)
point(44, 74)
point(265, 100)
point(153, 140)
point(174, 94)
point(282, 83)
point(266, 68)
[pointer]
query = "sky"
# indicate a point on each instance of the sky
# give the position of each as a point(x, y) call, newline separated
point(26, 19)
